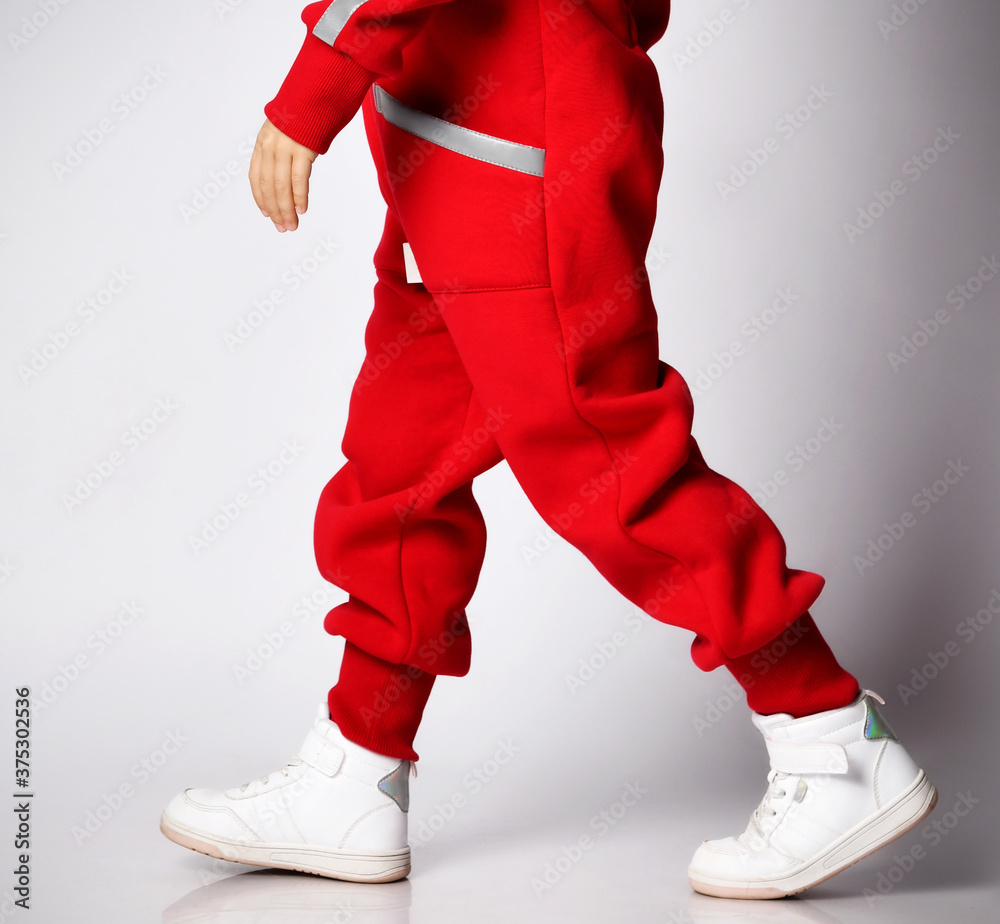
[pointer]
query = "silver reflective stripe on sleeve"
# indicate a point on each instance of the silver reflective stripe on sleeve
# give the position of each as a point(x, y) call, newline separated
point(333, 20)
point(489, 148)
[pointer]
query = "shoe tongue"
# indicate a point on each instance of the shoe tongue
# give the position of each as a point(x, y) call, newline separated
point(326, 728)
point(767, 723)
point(813, 727)
point(783, 726)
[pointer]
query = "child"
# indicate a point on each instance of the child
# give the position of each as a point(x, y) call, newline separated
point(518, 146)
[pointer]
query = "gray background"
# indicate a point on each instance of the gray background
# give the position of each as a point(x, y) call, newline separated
point(163, 198)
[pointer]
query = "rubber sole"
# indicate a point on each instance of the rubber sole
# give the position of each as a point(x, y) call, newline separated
point(905, 812)
point(349, 865)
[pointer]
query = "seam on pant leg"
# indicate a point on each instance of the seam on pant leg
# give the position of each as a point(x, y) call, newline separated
point(379, 702)
point(402, 274)
point(565, 364)
point(617, 474)
point(529, 285)
point(402, 589)
point(402, 527)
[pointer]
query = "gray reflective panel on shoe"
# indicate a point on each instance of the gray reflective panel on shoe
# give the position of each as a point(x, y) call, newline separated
point(395, 785)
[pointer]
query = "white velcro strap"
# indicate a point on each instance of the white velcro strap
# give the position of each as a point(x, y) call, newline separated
point(807, 757)
point(321, 754)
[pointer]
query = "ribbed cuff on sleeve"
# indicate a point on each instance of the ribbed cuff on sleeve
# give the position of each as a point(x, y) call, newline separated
point(321, 93)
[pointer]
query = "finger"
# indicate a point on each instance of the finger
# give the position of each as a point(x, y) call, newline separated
point(301, 169)
point(267, 191)
point(282, 180)
point(254, 177)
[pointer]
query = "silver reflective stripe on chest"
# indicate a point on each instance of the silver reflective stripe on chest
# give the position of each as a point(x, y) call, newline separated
point(333, 20)
point(521, 157)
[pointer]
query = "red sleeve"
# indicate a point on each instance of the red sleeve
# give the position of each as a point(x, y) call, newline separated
point(651, 17)
point(349, 45)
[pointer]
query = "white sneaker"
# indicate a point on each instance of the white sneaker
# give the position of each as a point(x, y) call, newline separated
point(840, 786)
point(337, 810)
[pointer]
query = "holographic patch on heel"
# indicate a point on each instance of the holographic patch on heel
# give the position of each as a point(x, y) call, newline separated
point(395, 785)
point(875, 724)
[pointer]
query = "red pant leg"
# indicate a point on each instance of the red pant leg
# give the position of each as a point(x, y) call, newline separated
point(398, 526)
point(540, 281)
point(542, 285)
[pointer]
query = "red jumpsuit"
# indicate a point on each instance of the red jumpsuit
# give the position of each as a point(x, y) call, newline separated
point(518, 145)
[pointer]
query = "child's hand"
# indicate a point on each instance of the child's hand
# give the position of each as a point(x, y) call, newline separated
point(279, 176)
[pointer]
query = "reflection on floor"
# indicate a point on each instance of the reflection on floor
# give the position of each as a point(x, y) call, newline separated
point(634, 873)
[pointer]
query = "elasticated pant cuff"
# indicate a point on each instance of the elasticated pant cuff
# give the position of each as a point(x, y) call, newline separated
point(378, 704)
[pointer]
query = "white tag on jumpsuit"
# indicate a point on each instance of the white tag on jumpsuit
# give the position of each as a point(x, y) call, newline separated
point(412, 273)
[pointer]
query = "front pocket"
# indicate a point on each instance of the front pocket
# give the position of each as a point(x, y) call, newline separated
point(471, 204)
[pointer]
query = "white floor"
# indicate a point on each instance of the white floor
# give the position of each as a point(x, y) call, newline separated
point(633, 873)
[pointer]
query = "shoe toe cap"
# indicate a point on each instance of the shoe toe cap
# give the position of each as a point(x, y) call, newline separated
point(203, 809)
point(731, 858)
point(712, 855)
point(195, 800)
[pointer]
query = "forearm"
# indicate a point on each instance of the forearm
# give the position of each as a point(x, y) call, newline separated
point(349, 45)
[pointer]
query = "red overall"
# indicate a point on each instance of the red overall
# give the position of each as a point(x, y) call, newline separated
point(518, 148)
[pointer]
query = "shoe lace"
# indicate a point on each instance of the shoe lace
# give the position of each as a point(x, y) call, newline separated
point(294, 762)
point(775, 790)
